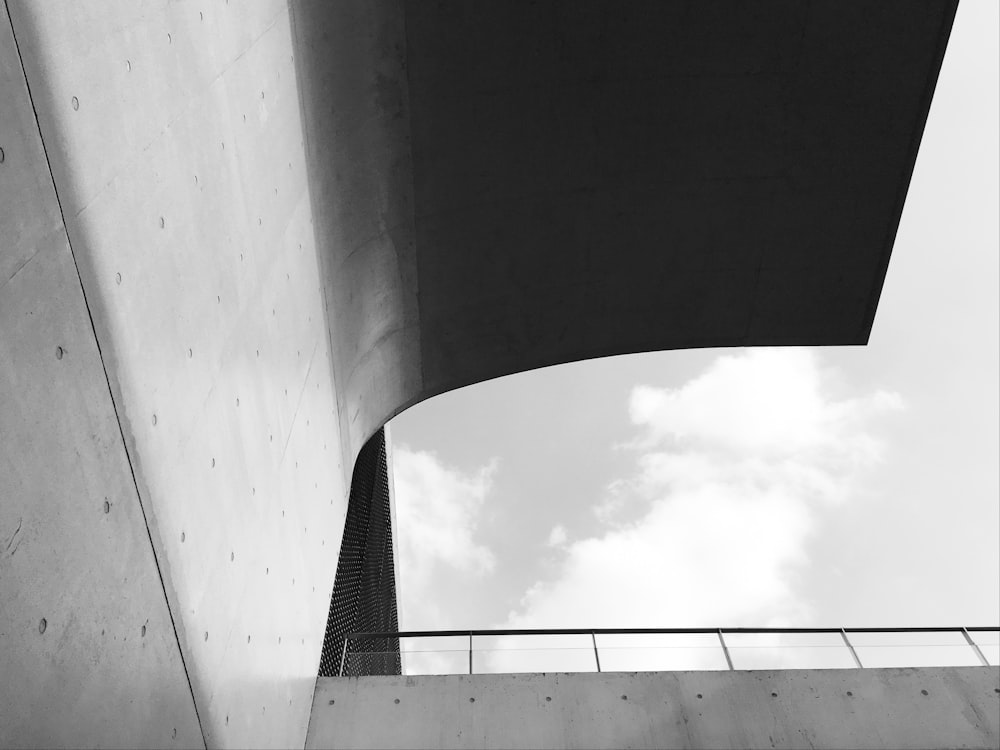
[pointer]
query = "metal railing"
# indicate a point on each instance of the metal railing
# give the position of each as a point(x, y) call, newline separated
point(393, 662)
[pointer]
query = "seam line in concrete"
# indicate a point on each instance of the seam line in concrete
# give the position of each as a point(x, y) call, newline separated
point(298, 403)
point(104, 367)
point(20, 267)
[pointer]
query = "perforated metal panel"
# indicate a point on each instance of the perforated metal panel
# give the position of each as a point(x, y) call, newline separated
point(364, 591)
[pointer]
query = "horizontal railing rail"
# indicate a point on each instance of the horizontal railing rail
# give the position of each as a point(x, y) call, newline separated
point(668, 631)
point(720, 633)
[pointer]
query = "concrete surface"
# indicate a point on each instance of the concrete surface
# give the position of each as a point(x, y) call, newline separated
point(258, 231)
point(506, 186)
point(88, 653)
point(174, 138)
point(837, 708)
point(351, 63)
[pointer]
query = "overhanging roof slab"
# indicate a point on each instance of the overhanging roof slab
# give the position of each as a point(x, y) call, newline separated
point(558, 181)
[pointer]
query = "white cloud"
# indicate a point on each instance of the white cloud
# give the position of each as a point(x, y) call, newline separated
point(765, 403)
point(730, 471)
point(437, 510)
point(558, 536)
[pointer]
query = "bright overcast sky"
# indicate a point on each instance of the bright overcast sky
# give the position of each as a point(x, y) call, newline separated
point(853, 486)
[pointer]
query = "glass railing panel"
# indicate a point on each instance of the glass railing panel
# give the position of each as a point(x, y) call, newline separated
point(368, 663)
point(551, 651)
point(945, 649)
point(989, 643)
point(506, 654)
point(660, 652)
point(439, 655)
point(788, 651)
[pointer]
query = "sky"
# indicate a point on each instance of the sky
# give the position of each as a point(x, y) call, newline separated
point(794, 487)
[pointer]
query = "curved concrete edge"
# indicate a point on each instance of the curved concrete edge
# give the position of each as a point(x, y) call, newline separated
point(525, 186)
point(351, 71)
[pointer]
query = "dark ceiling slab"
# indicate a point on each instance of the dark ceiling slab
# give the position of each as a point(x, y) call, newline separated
point(595, 178)
point(502, 186)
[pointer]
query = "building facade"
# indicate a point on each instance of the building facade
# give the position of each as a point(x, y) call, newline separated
point(237, 238)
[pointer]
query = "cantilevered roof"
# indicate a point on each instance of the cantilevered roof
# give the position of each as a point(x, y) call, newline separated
point(503, 186)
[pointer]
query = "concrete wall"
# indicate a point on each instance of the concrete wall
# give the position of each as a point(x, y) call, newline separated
point(88, 652)
point(869, 708)
point(351, 61)
point(237, 237)
point(194, 393)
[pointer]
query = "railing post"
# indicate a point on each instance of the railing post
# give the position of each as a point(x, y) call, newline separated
point(975, 647)
point(470, 653)
point(597, 657)
point(850, 647)
point(725, 649)
point(343, 655)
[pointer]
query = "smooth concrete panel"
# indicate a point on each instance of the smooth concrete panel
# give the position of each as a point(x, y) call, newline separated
point(855, 708)
point(176, 143)
point(88, 652)
point(352, 65)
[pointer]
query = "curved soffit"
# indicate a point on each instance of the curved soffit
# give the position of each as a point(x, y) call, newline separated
point(502, 187)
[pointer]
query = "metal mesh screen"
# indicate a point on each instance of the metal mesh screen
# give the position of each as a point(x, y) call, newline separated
point(364, 591)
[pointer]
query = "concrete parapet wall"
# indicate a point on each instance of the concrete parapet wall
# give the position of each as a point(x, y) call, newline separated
point(855, 708)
